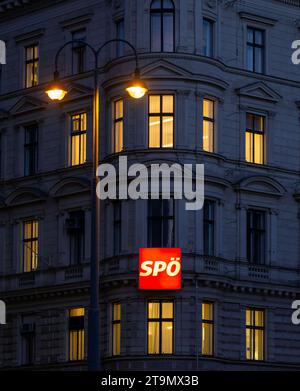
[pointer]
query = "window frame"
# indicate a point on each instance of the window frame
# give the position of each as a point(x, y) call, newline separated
point(82, 329)
point(34, 243)
point(117, 121)
point(255, 45)
point(211, 120)
point(161, 115)
point(212, 24)
point(252, 133)
point(31, 62)
point(160, 320)
point(255, 327)
point(210, 322)
point(162, 12)
point(113, 323)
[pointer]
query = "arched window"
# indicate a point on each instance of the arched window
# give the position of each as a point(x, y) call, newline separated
point(162, 26)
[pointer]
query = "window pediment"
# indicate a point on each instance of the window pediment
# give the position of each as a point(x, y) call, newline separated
point(27, 104)
point(259, 91)
point(262, 185)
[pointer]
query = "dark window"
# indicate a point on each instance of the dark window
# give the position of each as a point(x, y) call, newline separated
point(75, 228)
point(162, 26)
point(117, 227)
point(78, 51)
point(209, 228)
point(160, 327)
point(255, 50)
point(161, 223)
point(120, 34)
point(256, 237)
point(255, 135)
point(76, 334)
point(28, 343)
point(255, 334)
point(208, 37)
point(31, 150)
point(31, 65)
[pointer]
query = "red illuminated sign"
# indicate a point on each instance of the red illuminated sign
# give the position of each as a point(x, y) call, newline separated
point(160, 268)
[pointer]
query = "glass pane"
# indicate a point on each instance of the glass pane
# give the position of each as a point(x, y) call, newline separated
point(156, 4)
point(259, 318)
point(167, 104)
point(207, 339)
point(29, 75)
point(167, 338)
point(168, 233)
point(167, 141)
point(153, 338)
point(168, 4)
point(249, 147)
point(258, 123)
point(259, 60)
point(167, 310)
point(153, 310)
point(168, 208)
point(259, 345)
point(116, 311)
point(119, 136)
point(250, 58)
point(207, 311)
point(75, 123)
point(249, 317)
point(35, 73)
point(154, 132)
point(116, 339)
point(249, 344)
point(83, 121)
point(208, 131)
point(259, 37)
point(250, 35)
point(154, 104)
point(156, 32)
point(75, 150)
point(207, 38)
point(82, 148)
point(76, 312)
point(119, 109)
point(258, 148)
point(168, 33)
point(36, 51)
point(208, 108)
point(249, 121)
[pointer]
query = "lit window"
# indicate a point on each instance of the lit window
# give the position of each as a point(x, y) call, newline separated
point(118, 125)
point(255, 334)
point(209, 228)
point(78, 51)
point(31, 65)
point(255, 138)
point(207, 329)
point(30, 245)
point(162, 26)
point(120, 34)
point(161, 223)
point(117, 227)
point(78, 139)
point(76, 334)
point(116, 329)
point(30, 150)
point(208, 125)
point(208, 38)
point(256, 236)
point(255, 50)
point(160, 327)
point(161, 121)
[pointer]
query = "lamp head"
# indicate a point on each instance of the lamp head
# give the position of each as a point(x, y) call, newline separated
point(56, 90)
point(136, 87)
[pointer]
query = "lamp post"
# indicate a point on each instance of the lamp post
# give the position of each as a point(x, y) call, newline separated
point(56, 91)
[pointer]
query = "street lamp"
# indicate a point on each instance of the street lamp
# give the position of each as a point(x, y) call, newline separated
point(56, 91)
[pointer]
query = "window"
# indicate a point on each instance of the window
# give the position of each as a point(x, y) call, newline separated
point(207, 329)
point(255, 334)
point(160, 327)
point(161, 121)
point(118, 125)
point(120, 34)
point(117, 227)
point(76, 334)
point(78, 139)
point(31, 150)
point(208, 37)
point(116, 329)
point(31, 65)
point(161, 223)
point(162, 26)
point(256, 236)
point(28, 341)
point(208, 125)
point(78, 51)
point(255, 132)
point(209, 228)
point(75, 229)
point(255, 50)
point(30, 245)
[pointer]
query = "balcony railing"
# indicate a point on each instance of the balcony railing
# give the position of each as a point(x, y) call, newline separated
point(295, 3)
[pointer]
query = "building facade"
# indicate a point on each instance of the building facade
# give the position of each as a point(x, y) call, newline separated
point(223, 92)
